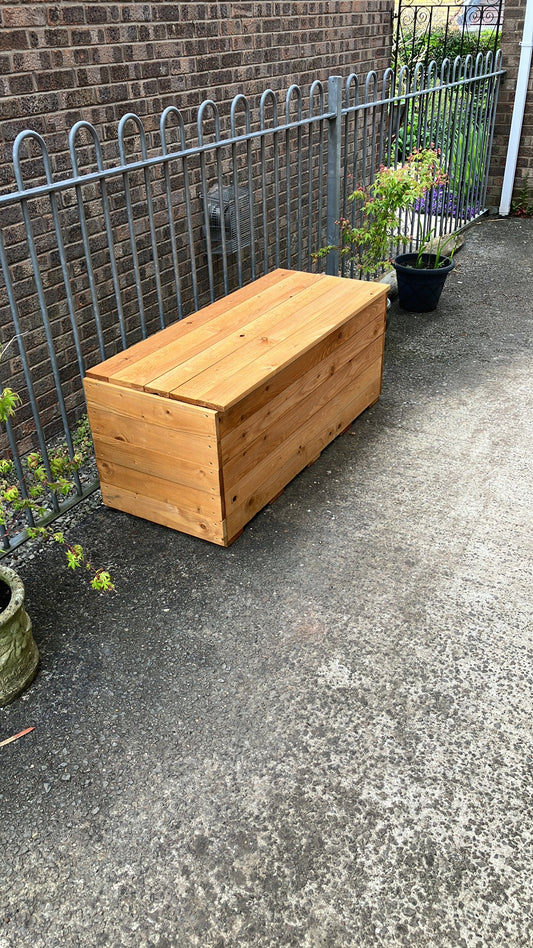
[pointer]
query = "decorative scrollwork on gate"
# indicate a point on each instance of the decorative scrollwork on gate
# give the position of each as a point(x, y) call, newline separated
point(461, 28)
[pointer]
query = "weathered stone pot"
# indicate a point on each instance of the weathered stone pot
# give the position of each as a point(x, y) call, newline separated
point(18, 652)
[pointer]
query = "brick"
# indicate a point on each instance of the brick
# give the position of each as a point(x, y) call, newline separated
point(13, 39)
point(24, 15)
point(52, 38)
point(19, 85)
point(55, 79)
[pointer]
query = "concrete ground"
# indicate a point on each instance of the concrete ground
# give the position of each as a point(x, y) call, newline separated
point(318, 737)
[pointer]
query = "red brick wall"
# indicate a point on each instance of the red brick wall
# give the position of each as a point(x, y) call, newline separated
point(512, 35)
point(60, 62)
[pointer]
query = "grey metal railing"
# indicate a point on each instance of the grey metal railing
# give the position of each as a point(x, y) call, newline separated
point(452, 109)
point(125, 243)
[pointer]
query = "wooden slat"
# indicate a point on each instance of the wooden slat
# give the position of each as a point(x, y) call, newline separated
point(292, 410)
point(118, 363)
point(232, 352)
point(188, 501)
point(143, 374)
point(263, 395)
point(167, 514)
point(155, 411)
point(111, 427)
point(241, 425)
point(241, 380)
point(265, 482)
point(159, 462)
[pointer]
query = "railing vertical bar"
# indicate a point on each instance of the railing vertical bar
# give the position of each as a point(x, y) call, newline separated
point(57, 229)
point(466, 138)
point(372, 79)
point(235, 179)
point(268, 94)
point(208, 103)
point(129, 209)
point(474, 151)
point(8, 283)
point(168, 112)
point(320, 195)
point(241, 99)
point(316, 87)
point(251, 204)
point(190, 232)
point(387, 86)
point(107, 218)
point(445, 143)
point(32, 249)
point(352, 115)
point(495, 83)
point(66, 283)
point(294, 89)
point(299, 186)
point(334, 169)
point(131, 117)
point(153, 242)
point(224, 243)
point(84, 234)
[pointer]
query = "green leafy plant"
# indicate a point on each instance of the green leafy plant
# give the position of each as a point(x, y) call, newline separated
point(39, 482)
point(463, 152)
point(377, 209)
point(443, 43)
point(522, 205)
point(434, 254)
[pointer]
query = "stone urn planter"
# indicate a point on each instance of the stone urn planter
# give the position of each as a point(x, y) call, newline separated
point(18, 652)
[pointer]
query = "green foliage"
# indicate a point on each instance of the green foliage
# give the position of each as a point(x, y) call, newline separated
point(522, 205)
point(463, 143)
point(443, 44)
point(377, 209)
point(39, 483)
point(8, 404)
point(442, 250)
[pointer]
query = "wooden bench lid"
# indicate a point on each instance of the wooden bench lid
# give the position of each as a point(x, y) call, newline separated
point(222, 353)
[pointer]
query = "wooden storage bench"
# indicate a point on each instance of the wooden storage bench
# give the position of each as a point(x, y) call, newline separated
point(201, 425)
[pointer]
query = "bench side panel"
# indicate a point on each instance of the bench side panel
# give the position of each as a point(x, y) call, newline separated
point(266, 449)
point(157, 459)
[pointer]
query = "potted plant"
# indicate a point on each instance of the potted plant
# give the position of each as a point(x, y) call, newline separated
point(382, 212)
point(421, 276)
point(18, 652)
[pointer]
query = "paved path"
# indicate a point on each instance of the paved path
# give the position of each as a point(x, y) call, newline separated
point(318, 737)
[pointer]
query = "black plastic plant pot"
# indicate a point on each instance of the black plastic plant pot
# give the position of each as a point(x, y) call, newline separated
point(419, 288)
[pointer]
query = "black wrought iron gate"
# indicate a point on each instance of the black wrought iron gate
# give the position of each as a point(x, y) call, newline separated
point(437, 30)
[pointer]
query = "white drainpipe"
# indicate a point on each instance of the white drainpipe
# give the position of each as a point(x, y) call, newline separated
point(518, 111)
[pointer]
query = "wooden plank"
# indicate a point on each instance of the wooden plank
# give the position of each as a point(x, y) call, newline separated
point(236, 314)
point(119, 429)
point(283, 465)
point(178, 330)
point(267, 432)
point(237, 383)
point(167, 514)
point(237, 432)
point(187, 500)
point(188, 472)
point(155, 411)
point(263, 396)
point(232, 351)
